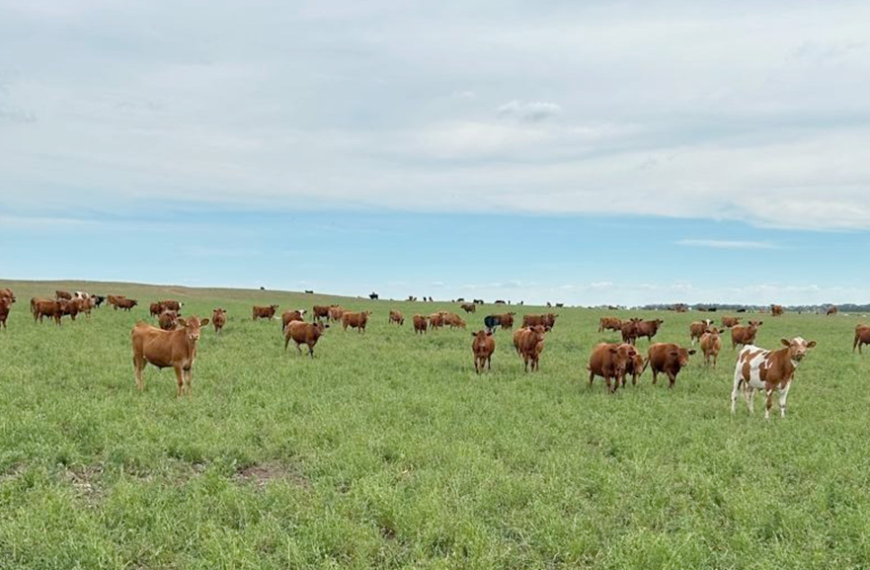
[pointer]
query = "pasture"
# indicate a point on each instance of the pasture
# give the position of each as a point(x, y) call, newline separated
point(388, 451)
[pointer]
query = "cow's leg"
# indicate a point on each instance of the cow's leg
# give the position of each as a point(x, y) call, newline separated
point(591, 378)
point(311, 351)
point(179, 379)
point(299, 348)
point(138, 366)
point(783, 396)
point(188, 380)
point(673, 378)
point(526, 360)
point(287, 342)
point(749, 394)
point(735, 393)
point(607, 383)
point(476, 368)
point(655, 376)
point(768, 403)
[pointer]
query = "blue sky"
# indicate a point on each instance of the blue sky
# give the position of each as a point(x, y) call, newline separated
point(585, 152)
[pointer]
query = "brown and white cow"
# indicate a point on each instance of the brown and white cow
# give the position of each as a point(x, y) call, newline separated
point(355, 320)
point(530, 345)
point(421, 324)
point(172, 305)
point(483, 346)
point(770, 371)
point(260, 312)
point(728, 322)
point(610, 360)
point(219, 319)
point(745, 334)
point(669, 359)
point(698, 328)
point(167, 349)
point(396, 317)
point(291, 315)
point(609, 324)
point(711, 345)
point(301, 333)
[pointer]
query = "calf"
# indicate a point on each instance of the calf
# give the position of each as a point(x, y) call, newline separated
point(267, 313)
point(483, 346)
point(156, 308)
point(335, 313)
point(126, 304)
point(355, 320)
point(396, 317)
point(609, 324)
point(320, 312)
point(168, 320)
point(165, 349)
point(744, 334)
point(667, 358)
point(634, 366)
point(421, 324)
point(301, 333)
point(291, 315)
point(8, 295)
point(610, 361)
point(46, 308)
point(711, 345)
point(219, 319)
point(468, 307)
point(648, 328)
point(728, 322)
point(530, 345)
point(697, 329)
point(506, 320)
point(5, 303)
point(759, 369)
point(862, 337)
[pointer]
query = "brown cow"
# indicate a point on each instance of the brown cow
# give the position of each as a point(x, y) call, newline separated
point(609, 324)
point(698, 328)
point(421, 324)
point(301, 333)
point(8, 296)
point(126, 304)
point(164, 349)
point(745, 334)
point(506, 320)
point(648, 328)
point(728, 322)
point(168, 320)
point(547, 321)
point(62, 295)
point(483, 346)
point(832, 310)
point(41, 307)
point(862, 337)
point(156, 308)
point(5, 303)
point(667, 358)
point(291, 315)
point(531, 345)
point(321, 312)
point(396, 317)
point(113, 300)
point(711, 345)
point(335, 313)
point(436, 320)
point(759, 369)
point(609, 361)
point(629, 330)
point(172, 305)
point(776, 310)
point(263, 312)
point(468, 307)
point(69, 307)
point(355, 320)
point(634, 367)
point(454, 321)
point(219, 319)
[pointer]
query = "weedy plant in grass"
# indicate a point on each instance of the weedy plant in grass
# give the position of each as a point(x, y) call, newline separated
point(389, 451)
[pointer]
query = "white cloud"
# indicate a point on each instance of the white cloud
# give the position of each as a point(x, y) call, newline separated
point(529, 111)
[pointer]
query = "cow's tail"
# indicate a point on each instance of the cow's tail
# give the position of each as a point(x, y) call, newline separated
point(645, 364)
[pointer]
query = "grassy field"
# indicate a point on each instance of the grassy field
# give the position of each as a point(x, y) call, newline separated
point(387, 451)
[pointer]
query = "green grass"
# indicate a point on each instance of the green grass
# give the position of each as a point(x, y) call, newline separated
point(387, 451)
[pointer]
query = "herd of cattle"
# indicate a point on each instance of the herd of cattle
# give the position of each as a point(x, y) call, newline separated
point(173, 342)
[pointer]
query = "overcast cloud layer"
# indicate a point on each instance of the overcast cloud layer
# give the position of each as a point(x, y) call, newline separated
point(756, 111)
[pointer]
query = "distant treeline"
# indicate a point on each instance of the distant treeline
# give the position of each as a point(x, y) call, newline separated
point(844, 308)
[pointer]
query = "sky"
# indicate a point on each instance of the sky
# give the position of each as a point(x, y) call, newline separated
point(566, 151)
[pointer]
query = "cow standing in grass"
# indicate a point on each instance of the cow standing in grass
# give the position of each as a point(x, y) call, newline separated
point(219, 319)
point(483, 346)
point(165, 349)
point(759, 369)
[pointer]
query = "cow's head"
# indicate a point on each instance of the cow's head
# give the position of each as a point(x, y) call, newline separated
point(798, 347)
point(681, 355)
point(755, 324)
point(273, 307)
point(481, 335)
point(622, 355)
point(191, 327)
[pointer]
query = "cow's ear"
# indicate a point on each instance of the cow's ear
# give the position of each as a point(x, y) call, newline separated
point(811, 344)
point(203, 323)
point(785, 342)
point(182, 322)
point(692, 351)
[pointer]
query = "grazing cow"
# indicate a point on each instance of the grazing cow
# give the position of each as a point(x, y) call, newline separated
point(506, 320)
point(335, 313)
point(483, 346)
point(5, 303)
point(436, 320)
point(500, 302)
point(776, 310)
point(759, 369)
point(46, 308)
point(113, 300)
point(530, 345)
point(219, 319)
point(491, 321)
point(648, 328)
point(421, 324)
point(745, 334)
point(711, 345)
point(610, 361)
point(478, 301)
point(267, 313)
point(62, 295)
point(832, 310)
point(468, 307)
point(291, 315)
point(667, 358)
point(609, 324)
point(373, 296)
point(548, 320)
point(321, 312)
point(862, 337)
point(454, 321)
point(168, 320)
point(560, 305)
point(355, 320)
point(741, 310)
point(728, 322)
point(412, 299)
point(698, 328)
point(396, 317)
point(8, 295)
point(99, 300)
point(629, 330)
point(156, 308)
point(301, 333)
point(165, 349)
point(126, 304)
point(309, 291)
point(172, 305)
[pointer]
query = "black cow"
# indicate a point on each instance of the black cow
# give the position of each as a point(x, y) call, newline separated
point(491, 322)
point(373, 296)
point(99, 300)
